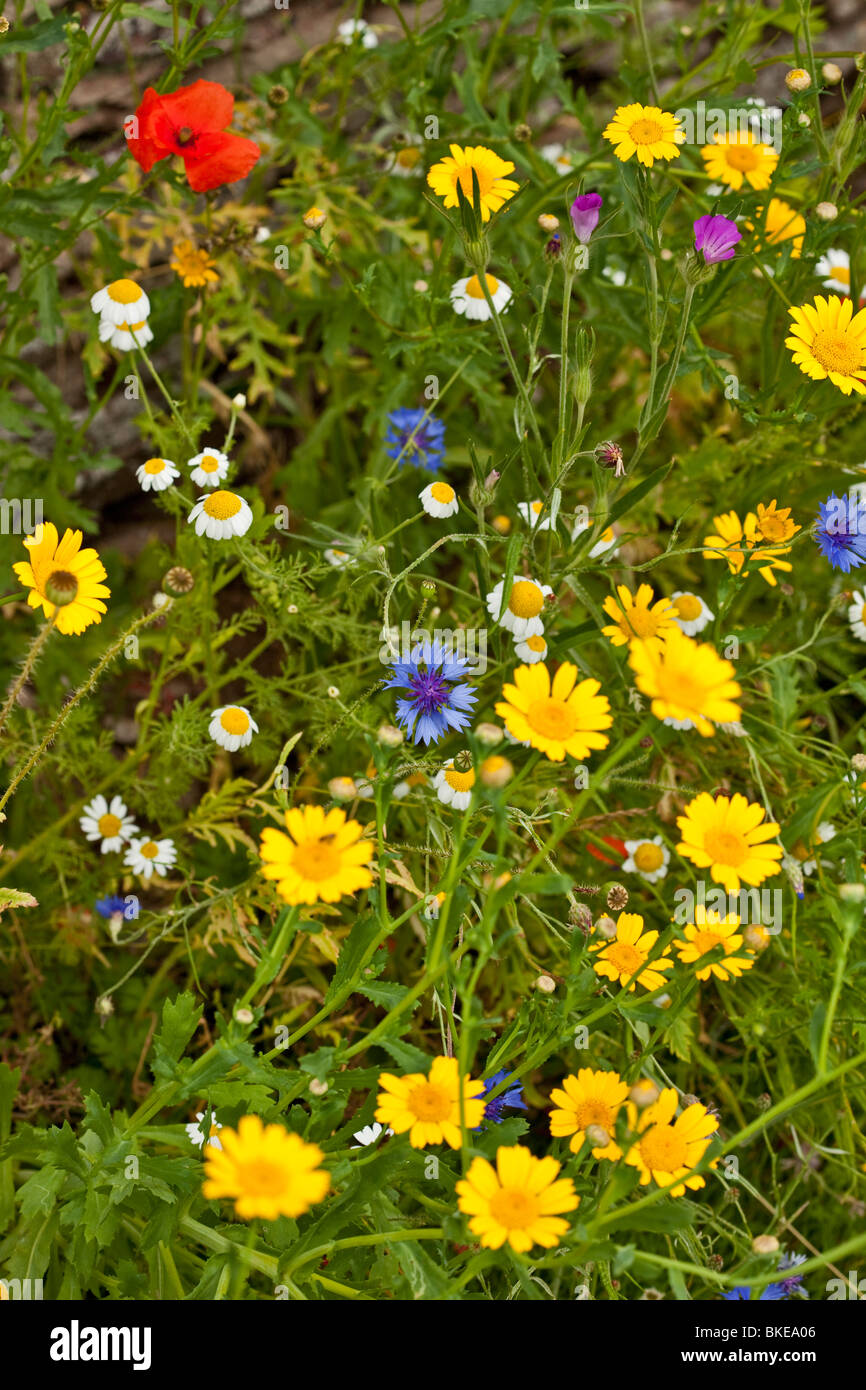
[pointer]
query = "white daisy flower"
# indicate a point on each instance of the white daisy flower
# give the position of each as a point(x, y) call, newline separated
point(467, 297)
point(439, 499)
point(406, 160)
point(826, 831)
point(606, 541)
point(147, 857)
point(453, 787)
point(400, 790)
point(690, 612)
point(208, 468)
point(531, 649)
point(836, 266)
point(220, 515)
point(232, 727)
point(196, 1135)
point(649, 858)
point(520, 614)
point(368, 1135)
point(339, 558)
point(125, 336)
point(555, 154)
point(531, 511)
point(112, 824)
point(616, 277)
point(156, 475)
point(120, 301)
point(857, 615)
point(352, 29)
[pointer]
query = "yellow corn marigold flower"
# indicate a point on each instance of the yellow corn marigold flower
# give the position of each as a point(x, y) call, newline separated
point(268, 1170)
point(646, 131)
point(429, 1106)
point(636, 615)
point(774, 523)
point(193, 265)
point(590, 1098)
point(829, 340)
point(709, 930)
point(740, 544)
point(628, 952)
point(519, 1201)
point(63, 579)
point(782, 223)
point(686, 679)
point(724, 834)
point(666, 1149)
point(457, 169)
point(322, 858)
point(555, 717)
point(739, 158)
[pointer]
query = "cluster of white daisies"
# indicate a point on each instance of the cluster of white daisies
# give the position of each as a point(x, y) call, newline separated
point(218, 515)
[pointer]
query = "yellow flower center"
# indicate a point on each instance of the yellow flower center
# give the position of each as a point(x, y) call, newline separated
point(108, 825)
point(149, 850)
point(441, 492)
point(688, 607)
point(638, 622)
point(841, 273)
point(773, 527)
point(222, 505)
point(513, 1209)
point(648, 858)
point(526, 600)
point(594, 1112)
point(552, 719)
point(625, 957)
point(704, 941)
point(408, 159)
point(430, 1103)
point(536, 644)
point(61, 587)
point(473, 284)
point(124, 292)
point(234, 721)
point(663, 1150)
point(259, 1178)
point(317, 859)
point(837, 352)
point(209, 464)
point(725, 847)
point(743, 157)
point(460, 781)
point(154, 466)
point(646, 131)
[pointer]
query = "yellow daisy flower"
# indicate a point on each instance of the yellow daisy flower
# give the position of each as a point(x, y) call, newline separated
point(321, 858)
point(709, 930)
point(457, 169)
point(64, 578)
point(665, 1151)
point(555, 718)
point(775, 524)
point(193, 265)
point(737, 540)
point(590, 1098)
point(619, 958)
point(268, 1170)
point(829, 340)
point(782, 223)
point(636, 615)
point(646, 131)
point(518, 1201)
point(429, 1106)
point(724, 834)
point(739, 158)
point(686, 679)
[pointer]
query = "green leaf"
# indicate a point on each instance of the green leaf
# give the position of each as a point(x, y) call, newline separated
point(180, 1018)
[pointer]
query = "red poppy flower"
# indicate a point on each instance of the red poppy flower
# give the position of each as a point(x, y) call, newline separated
point(192, 122)
point(615, 844)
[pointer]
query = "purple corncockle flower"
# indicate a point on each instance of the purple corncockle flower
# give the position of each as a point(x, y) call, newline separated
point(716, 237)
point(584, 215)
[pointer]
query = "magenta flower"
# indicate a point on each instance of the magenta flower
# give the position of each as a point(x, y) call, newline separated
point(716, 237)
point(584, 215)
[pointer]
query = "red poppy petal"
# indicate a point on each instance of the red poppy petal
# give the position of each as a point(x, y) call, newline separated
point(144, 149)
point(220, 159)
point(203, 106)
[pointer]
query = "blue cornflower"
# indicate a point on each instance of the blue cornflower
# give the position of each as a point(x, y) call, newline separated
point(792, 1283)
point(840, 532)
point(771, 1294)
point(110, 905)
point(438, 699)
point(416, 438)
point(510, 1099)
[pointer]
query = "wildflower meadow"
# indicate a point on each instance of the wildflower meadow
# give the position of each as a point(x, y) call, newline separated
point(433, 549)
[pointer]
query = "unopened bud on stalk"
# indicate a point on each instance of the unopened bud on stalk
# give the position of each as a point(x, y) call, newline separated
point(828, 212)
point(502, 524)
point(643, 1093)
point(765, 1245)
point(797, 80)
point(547, 222)
point(584, 352)
point(597, 1136)
point(606, 927)
point(389, 735)
point(244, 1017)
point(496, 771)
point(318, 1088)
point(314, 218)
point(489, 734)
point(831, 73)
point(579, 916)
point(858, 762)
point(545, 984)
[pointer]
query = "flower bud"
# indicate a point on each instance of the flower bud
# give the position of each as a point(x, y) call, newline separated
point(597, 1136)
point(765, 1245)
point(545, 984)
point(244, 1017)
point(547, 222)
point(496, 771)
point(389, 735)
point(606, 927)
point(489, 734)
point(314, 218)
point(643, 1093)
point(502, 524)
point(342, 788)
point(828, 212)
point(318, 1088)
point(797, 80)
point(832, 73)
